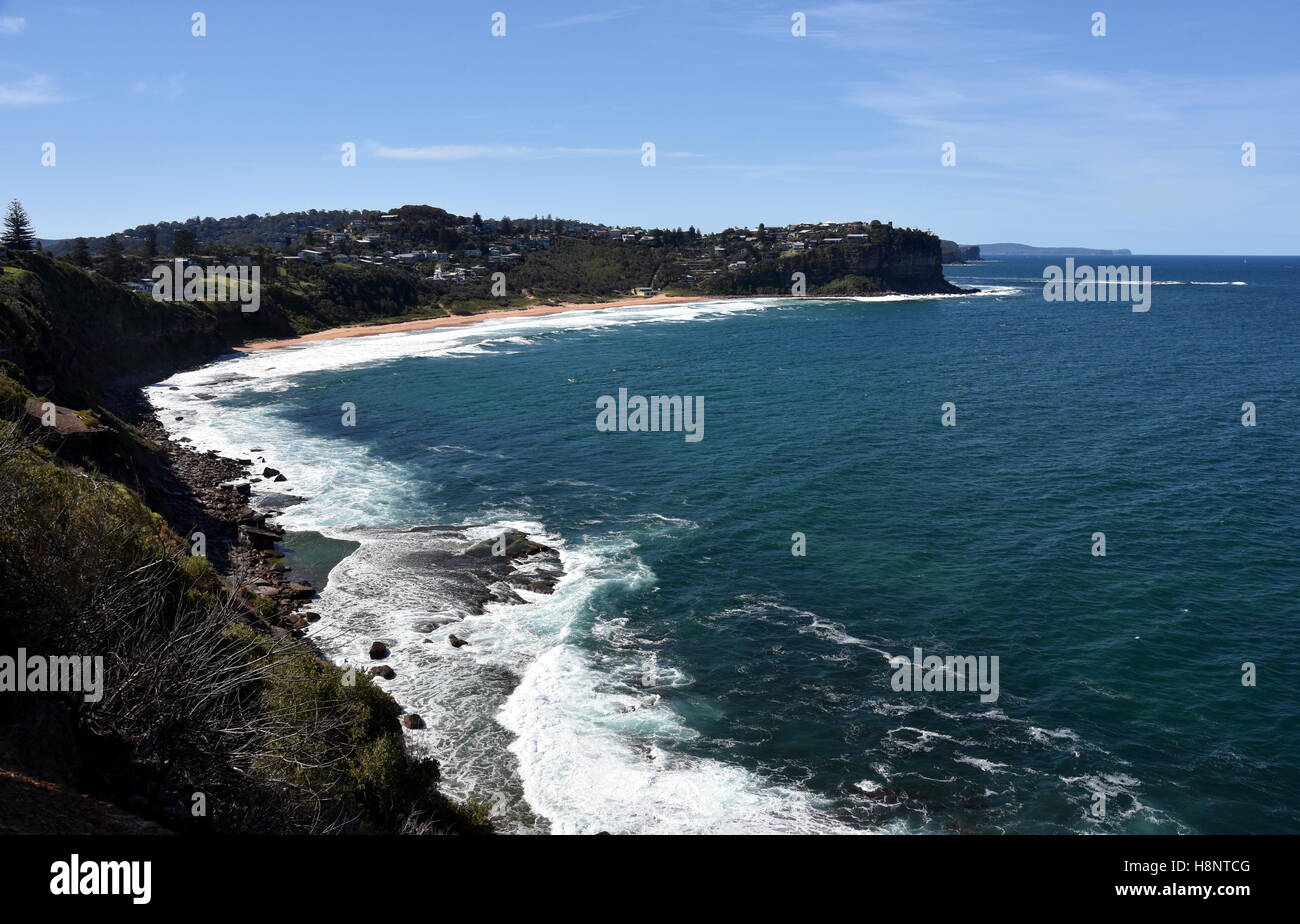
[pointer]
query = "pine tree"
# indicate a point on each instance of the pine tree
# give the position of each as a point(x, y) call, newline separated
point(18, 229)
point(114, 265)
point(151, 242)
point(81, 253)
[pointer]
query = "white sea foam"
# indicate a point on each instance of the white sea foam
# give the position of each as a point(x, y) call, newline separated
point(999, 290)
point(988, 766)
point(522, 714)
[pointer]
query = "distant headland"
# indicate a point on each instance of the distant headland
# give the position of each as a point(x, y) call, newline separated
point(1026, 250)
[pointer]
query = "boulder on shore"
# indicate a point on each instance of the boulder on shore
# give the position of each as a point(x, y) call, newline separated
point(298, 590)
point(257, 537)
point(378, 650)
point(384, 671)
point(412, 721)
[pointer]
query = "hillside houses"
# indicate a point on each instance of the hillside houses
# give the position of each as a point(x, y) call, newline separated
point(448, 249)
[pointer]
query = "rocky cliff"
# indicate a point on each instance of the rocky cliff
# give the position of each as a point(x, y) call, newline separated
point(894, 260)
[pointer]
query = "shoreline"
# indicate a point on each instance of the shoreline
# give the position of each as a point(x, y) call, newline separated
point(216, 494)
point(537, 311)
point(399, 327)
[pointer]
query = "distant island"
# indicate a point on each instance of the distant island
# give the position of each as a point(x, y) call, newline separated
point(1025, 250)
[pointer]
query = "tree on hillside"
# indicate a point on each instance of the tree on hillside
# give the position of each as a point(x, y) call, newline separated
point(184, 242)
point(477, 221)
point(114, 265)
point(266, 260)
point(18, 228)
point(80, 253)
point(151, 242)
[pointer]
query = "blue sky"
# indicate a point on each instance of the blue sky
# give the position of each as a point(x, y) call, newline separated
point(1062, 138)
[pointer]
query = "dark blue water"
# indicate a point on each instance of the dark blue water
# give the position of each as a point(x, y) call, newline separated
point(693, 674)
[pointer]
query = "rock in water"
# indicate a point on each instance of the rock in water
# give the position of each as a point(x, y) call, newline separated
point(378, 650)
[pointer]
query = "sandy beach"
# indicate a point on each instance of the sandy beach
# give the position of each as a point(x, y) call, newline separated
point(367, 330)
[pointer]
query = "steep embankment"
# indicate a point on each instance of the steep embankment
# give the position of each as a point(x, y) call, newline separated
point(72, 331)
point(76, 333)
point(205, 693)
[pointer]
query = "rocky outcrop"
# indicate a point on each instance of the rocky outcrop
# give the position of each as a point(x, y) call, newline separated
point(894, 260)
point(514, 560)
point(953, 252)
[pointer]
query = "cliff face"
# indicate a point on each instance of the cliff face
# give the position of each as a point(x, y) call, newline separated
point(74, 332)
point(895, 260)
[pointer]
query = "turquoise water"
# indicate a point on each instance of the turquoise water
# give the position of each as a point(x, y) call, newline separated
point(691, 674)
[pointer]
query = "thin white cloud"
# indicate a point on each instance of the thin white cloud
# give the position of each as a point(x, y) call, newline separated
point(504, 152)
point(12, 25)
point(37, 90)
point(587, 19)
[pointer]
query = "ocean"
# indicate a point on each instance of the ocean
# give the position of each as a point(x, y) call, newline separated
point(691, 674)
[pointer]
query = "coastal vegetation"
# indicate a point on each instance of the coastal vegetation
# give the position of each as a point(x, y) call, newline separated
point(208, 721)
